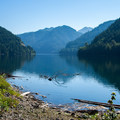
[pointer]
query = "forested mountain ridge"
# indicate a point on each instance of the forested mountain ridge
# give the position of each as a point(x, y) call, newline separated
point(10, 44)
point(107, 43)
point(50, 40)
point(73, 46)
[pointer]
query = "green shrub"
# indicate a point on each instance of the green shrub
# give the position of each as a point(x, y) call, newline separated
point(110, 114)
point(7, 95)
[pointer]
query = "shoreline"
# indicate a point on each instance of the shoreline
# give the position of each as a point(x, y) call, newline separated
point(31, 108)
point(76, 106)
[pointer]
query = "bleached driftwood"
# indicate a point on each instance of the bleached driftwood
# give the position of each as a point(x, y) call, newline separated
point(25, 93)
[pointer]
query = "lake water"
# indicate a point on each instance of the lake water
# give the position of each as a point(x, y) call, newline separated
point(87, 79)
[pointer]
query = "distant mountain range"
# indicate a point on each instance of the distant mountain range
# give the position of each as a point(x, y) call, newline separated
point(105, 44)
point(85, 29)
point(11, 45)
point(50, 40)
point(73, 46)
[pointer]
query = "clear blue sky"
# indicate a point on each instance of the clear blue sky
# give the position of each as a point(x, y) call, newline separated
point(21, 16)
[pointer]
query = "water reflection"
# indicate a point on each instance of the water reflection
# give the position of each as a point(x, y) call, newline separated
point(51, 65)
point(9, 64)
point(108, 68)
point(87, 79)
point(106, 71)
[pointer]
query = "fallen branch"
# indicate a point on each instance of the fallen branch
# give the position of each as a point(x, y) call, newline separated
point(98, 103)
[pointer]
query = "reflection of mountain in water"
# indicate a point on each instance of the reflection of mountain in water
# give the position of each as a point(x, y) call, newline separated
point(79, 65)
point(53, 64)
point(108, 68)
point(50, 65)
point(9, 64)
point(105, 71)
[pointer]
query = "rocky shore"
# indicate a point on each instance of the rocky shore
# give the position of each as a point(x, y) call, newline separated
point(30, 108)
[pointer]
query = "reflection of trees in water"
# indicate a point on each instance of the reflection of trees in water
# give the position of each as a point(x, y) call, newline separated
point(9, 64)
point(51, 66)
point(108, 68)
point(79, 65)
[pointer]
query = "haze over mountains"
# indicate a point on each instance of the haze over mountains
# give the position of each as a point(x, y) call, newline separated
point(85, 29)
point(50, 40)
point(63, 39)
point(73, 46)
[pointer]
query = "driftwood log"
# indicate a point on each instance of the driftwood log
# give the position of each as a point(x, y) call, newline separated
point(25, 93)
point(98, 103)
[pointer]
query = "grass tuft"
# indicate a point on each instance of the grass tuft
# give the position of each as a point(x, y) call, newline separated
point(7, 95)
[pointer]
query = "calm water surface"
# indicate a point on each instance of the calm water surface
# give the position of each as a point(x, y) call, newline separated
point(87, 79)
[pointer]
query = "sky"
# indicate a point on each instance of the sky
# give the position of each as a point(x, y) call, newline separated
point(21, 16)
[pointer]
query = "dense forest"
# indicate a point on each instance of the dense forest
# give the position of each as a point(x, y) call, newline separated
point(107, 43)
point(73, 46)
point(10, 44)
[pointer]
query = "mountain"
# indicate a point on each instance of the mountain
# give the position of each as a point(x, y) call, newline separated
point(85, 29)
point(73, 46)
point(12, 45)
point(105, 44)
point(50, 40)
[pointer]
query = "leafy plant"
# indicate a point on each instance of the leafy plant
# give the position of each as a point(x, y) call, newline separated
point(110, 114)
point(7, 95)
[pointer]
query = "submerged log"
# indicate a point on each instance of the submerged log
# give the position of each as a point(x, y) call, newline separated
point(50, 79)
point(98, 103)
point(11, 76)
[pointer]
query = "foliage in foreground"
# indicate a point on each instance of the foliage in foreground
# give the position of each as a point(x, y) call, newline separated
point(7, 95)
point(8, 99)
point(110, 114)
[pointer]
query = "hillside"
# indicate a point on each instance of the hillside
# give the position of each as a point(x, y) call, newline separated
point(73, 46)
point(12, 45)
point(85, 29)
point(50, 40)
point(105, 44)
